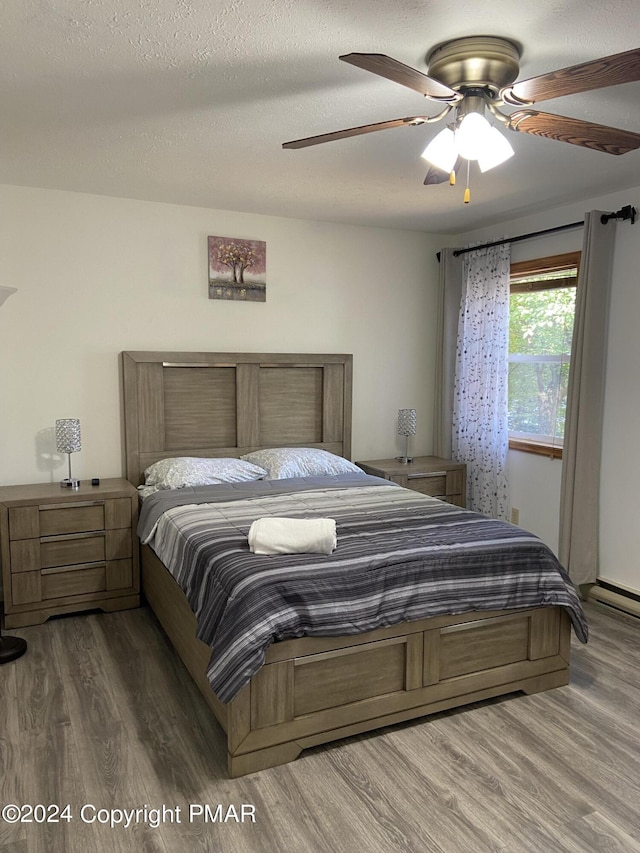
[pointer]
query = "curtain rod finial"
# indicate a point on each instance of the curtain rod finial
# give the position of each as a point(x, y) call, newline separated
point(628, 212)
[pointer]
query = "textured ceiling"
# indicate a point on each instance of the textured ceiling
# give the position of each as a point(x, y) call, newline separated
point(189, 101)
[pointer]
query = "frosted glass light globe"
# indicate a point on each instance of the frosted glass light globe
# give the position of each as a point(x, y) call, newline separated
point(441, 151)
point(473, 137)
point(498, 150)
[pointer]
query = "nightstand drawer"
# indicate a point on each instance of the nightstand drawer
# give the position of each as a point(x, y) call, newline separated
point(429, 475)
point(78, 581)
point(57, 520)
point(70, 581)
point(428, 485)
point(87, 548)
point(28, 555)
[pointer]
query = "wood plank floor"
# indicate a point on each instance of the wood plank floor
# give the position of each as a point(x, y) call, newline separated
point(101, 713)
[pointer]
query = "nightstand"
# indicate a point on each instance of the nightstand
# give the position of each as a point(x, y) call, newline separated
point(68, 550)
point(429, 475)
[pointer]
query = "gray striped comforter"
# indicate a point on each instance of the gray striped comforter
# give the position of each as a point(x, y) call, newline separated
point(400, 556)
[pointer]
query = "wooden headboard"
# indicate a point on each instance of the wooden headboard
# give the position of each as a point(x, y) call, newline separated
point(227, 404)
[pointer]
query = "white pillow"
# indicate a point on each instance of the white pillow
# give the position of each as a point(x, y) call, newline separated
point(181, 471)
point(283, 462)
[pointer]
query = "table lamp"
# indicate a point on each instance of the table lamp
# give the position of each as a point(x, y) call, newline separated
point(406, 427)
point(68, 441)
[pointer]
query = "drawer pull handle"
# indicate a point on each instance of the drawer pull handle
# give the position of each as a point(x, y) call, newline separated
point(77, 568)
point(430, 474)
point(72, 537)
point(348, 650)
point(75, 504)
point(468, 626)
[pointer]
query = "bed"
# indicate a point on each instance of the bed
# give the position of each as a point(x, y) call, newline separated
point(312, 689)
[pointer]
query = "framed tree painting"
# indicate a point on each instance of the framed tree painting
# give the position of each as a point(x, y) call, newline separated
point(237, 269)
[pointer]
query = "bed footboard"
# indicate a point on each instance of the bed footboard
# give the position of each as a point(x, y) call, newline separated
point(315, 689)
point(311, 696)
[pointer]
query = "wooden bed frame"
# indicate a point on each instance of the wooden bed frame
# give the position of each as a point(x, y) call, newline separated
point(313, 690)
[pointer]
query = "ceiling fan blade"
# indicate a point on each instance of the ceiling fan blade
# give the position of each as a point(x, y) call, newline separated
point(411, 121)
point(599, 137)
point(439, 176)
point(390, 68)
point(597, 74)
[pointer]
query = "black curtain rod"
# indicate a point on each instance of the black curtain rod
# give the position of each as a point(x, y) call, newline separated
point(626, 212)
point(518, 239)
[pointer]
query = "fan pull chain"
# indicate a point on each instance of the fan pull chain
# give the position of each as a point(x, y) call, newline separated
point(452, 178)
point(467, 193)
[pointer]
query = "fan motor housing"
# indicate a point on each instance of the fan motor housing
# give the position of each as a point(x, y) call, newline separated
point(477, 61)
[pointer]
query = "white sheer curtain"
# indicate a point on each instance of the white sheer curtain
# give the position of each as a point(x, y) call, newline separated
point(479, 421)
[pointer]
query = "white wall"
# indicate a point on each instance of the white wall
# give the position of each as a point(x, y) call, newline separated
point(534, 490)
point(535, 481)
point(98, 275)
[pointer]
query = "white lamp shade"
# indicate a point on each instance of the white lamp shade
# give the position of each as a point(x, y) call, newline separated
point(473, 136)
point(441, 151)
point(5, 292)
point(68, 435)
point(497, 151)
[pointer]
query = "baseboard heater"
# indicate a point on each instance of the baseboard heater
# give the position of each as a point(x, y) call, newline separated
point(616, 596)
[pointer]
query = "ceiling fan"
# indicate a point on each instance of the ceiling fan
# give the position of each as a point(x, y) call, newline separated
point(477, 73)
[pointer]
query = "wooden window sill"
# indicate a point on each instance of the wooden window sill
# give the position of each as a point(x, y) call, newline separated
point(553, 451)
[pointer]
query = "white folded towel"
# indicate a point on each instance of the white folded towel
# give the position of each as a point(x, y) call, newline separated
point(293, 536)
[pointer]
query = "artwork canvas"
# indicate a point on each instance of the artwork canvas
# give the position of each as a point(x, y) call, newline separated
point(237, 269)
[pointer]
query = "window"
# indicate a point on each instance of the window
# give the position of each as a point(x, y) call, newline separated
point(541, 312)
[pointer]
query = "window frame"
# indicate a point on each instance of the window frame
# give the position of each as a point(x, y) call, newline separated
point(539, 266)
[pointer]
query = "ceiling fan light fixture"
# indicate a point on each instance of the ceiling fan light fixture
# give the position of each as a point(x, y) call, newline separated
point(473, 137)
point(442, 152)
point(498, 151)
point(478, 73)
